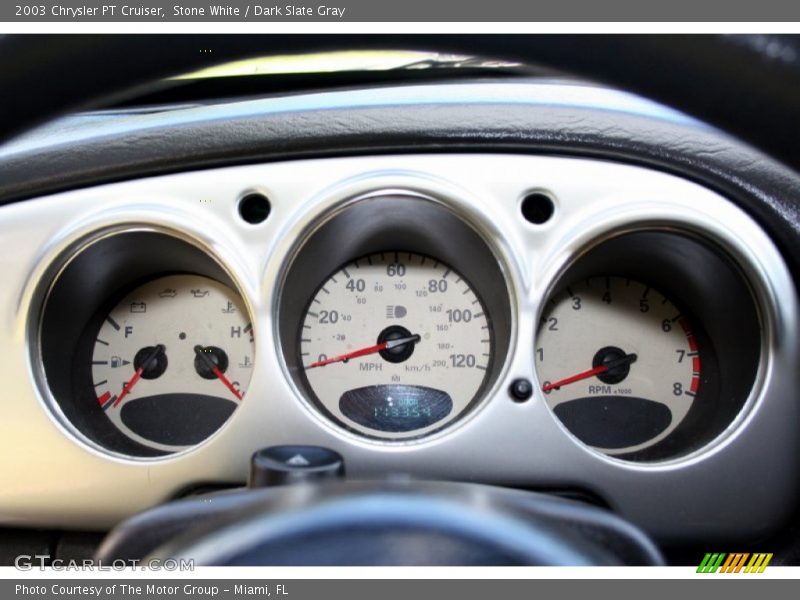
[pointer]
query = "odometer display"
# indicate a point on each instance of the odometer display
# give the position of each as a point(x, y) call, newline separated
point(395, 407)
point(395, 345)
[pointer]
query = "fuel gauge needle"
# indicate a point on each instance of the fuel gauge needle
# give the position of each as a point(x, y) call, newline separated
point(138, 374)
point(211, 365)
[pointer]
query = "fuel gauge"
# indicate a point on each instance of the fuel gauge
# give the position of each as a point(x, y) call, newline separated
point(172, 361)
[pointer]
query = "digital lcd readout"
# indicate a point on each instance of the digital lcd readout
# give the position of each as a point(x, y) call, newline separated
point(395, 407)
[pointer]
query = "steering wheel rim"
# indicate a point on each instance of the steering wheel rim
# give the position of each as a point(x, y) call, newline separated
point(741, 84)
point(327, 533)
point(397, 522)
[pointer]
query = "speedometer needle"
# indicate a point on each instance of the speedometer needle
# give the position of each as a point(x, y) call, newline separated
point(387, 345)
point(630, 358)
point(138, 374)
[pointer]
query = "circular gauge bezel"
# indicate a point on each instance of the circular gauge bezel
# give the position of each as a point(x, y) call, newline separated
point(403, 221)
point(688, 269)
point(684, 331)
point(103, 262)
point(423, 431)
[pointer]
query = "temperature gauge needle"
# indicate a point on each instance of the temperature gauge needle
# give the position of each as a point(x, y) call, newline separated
point(387, 345)
point(138, 374)
point(212, 366)
point(547, 387)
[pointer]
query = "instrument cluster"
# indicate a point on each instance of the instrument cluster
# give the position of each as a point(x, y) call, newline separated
point(403, 331)
point(569, 323)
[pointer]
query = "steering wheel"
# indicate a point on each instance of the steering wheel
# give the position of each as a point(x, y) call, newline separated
point(744, 85)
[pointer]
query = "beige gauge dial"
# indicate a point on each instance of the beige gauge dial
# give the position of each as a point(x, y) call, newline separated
point(395, 344)
point(172, 361)
point(618, 363)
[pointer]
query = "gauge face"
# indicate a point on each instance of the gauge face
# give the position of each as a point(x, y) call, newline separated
point(395, 345)
point(618, 363)
point(172, 361)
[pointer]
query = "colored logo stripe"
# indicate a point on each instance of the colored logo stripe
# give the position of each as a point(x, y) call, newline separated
point(711, 563)
point(734, 563)
point(758, 563)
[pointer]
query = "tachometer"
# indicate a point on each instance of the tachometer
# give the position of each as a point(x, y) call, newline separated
point(396, 344)
point(618, 363)
point(172, 361)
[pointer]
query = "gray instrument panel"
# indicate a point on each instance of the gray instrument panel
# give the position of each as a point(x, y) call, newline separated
point(741, 482)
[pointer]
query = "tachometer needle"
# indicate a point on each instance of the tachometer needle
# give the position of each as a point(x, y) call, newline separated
point(200, 351)
point(387, 345)
point(138, 374)
point(630, 358)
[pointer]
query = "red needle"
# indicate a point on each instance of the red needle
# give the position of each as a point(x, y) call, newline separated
point(585, 375)
point(221, 376)
point(547, 387)
point(128, 386)
point(137, 375)
point(200, 351)
point(365, 351)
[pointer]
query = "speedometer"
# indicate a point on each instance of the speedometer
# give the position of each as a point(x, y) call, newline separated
point(395, 345)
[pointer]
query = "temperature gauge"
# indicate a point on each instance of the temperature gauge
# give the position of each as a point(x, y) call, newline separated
point(172, 361)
